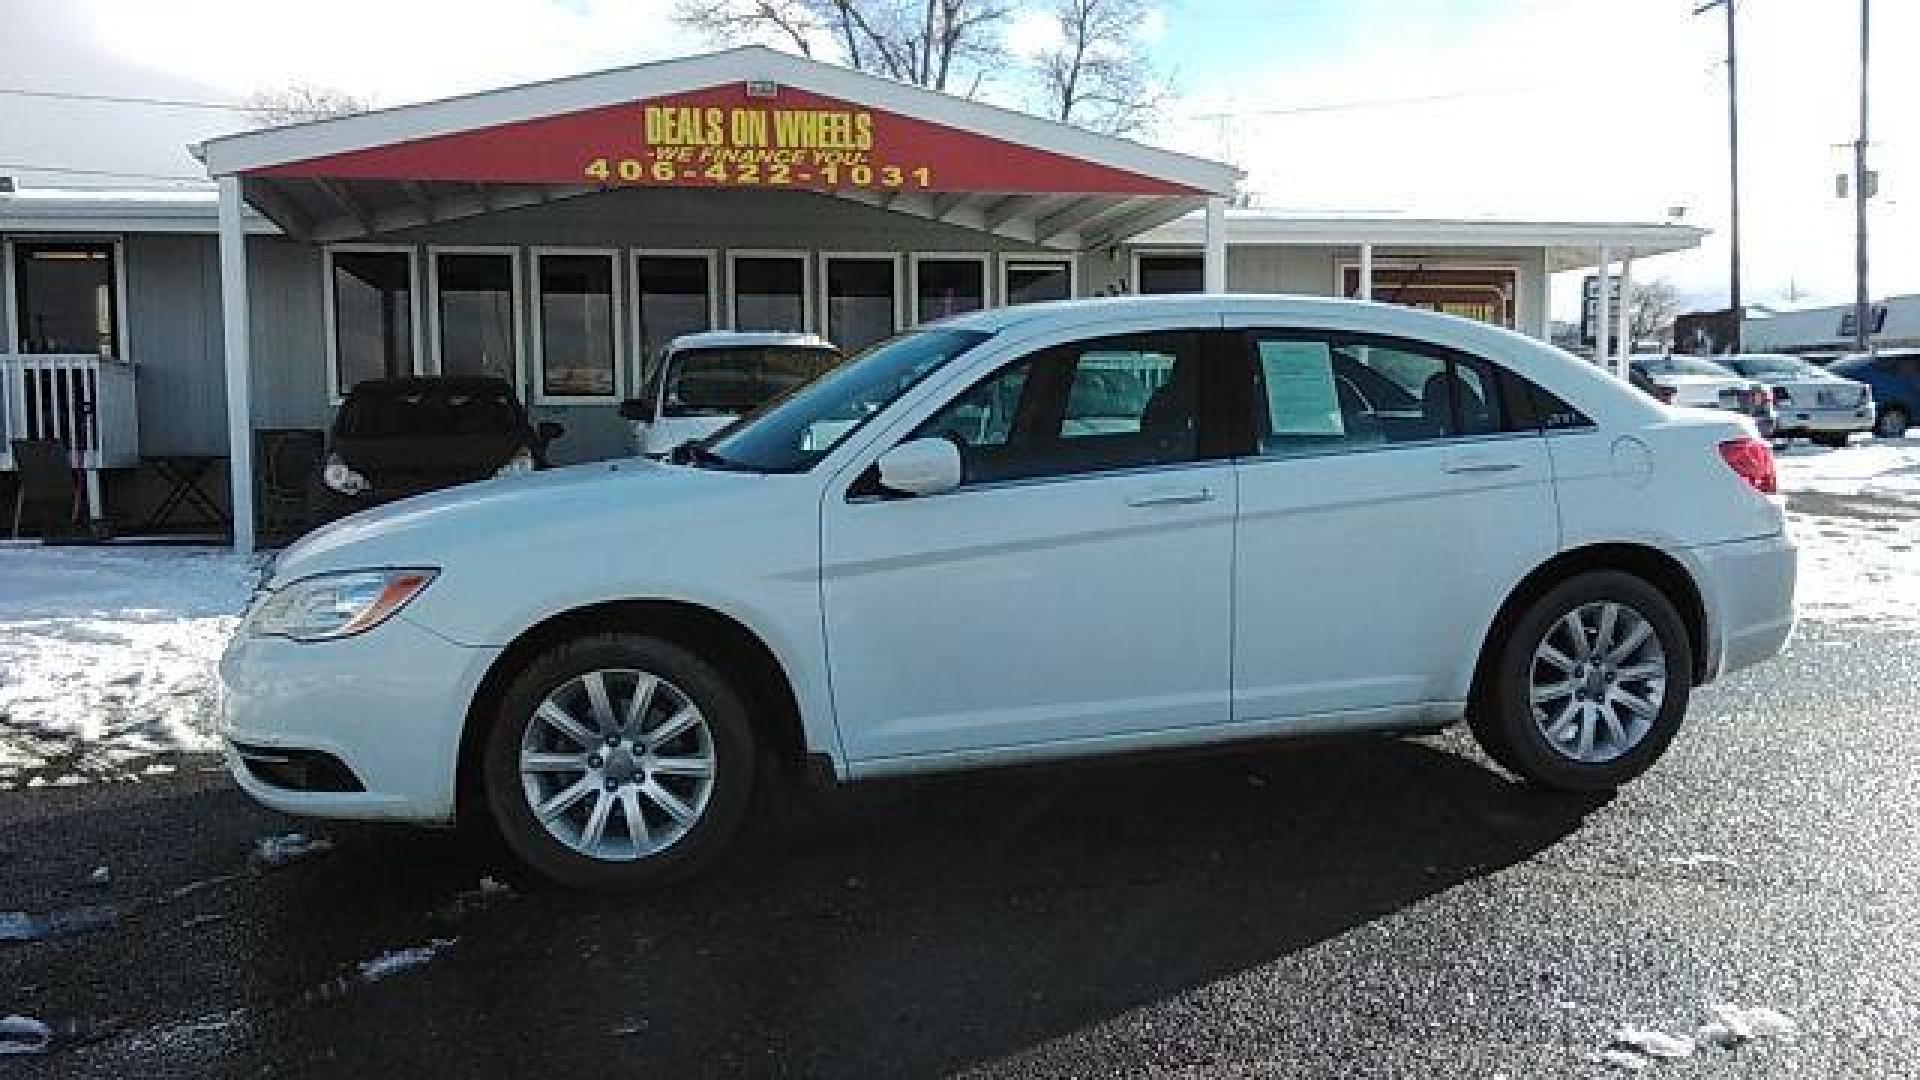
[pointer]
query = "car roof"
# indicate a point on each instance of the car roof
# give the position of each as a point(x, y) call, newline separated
point(734, 339)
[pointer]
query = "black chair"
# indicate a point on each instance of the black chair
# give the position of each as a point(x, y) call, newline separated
point(48, 487)
point(288, 459)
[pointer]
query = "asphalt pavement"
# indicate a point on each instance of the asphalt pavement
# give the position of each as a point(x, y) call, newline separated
point(1360, 908)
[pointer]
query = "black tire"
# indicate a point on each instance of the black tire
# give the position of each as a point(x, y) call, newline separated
point(1836, 440)
point(734, 752)
point(1502, 718)
point(1891, 423)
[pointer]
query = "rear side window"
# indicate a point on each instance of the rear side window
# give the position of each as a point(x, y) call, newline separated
point(1531, 407)
point(1322, 393)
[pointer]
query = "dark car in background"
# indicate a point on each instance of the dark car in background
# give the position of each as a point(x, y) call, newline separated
point(392, 438)
point(1894, 377)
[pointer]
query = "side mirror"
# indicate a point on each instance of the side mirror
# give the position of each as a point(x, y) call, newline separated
point(636, 409)
point(921, 467)
point(550, 430)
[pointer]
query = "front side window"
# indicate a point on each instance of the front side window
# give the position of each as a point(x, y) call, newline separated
point(1112, 403)
point(64, 294)
point(577, 324)
point(770, 293)
point(943, 287)
point(1325, 393)
point(676, 297)
point(372, 316)
point(793, 433)
point(473, 309)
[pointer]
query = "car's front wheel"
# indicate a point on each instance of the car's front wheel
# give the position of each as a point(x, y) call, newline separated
point(1589, 685)
point(1891, 423)
point(618, 761)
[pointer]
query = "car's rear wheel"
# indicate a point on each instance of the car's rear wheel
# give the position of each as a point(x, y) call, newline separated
point(1891, 423)
point(1589, 685)
point(618, 761)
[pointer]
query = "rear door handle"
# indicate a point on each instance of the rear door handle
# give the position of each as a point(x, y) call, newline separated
point(1163, 497)
point(1476, 464)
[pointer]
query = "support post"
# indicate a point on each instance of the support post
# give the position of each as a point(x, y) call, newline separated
point(1623, 339)
point(1213, 264)
point(233, 319)
point(1602, 298)
point(1366, 271)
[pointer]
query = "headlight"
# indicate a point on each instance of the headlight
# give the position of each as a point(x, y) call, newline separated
point(336, 605)
point(341, 477)
point(520, 462)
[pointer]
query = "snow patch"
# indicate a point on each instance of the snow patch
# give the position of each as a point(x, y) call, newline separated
point(23, 1035)
point(280, 850)
point(1653, 1044)
point(1888, 468)
point(1857, 570)
point(392, 963)
point(1635, 1047)
point(33, 926)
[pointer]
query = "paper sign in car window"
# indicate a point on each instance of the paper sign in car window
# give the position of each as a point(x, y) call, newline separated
point(1301, 398)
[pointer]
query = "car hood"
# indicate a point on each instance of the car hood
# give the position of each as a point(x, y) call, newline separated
point(545, 512)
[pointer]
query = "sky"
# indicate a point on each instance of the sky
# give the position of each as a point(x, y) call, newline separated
point(1540, 109)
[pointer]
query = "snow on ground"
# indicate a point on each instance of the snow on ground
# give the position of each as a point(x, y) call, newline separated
point(107, 653)
point(1884, 467)
point(1857, 520)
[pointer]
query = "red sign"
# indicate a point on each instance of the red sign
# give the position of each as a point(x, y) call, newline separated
point(727, 137)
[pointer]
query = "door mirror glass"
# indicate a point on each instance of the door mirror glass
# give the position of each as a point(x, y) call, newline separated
point(921, 467)
point(640, 409)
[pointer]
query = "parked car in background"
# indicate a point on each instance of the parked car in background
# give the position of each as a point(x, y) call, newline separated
point(703, 382)
point(1808, 400)
point(1037, 532)
point(392, 438)
point(1700, 383)
point(1894, 378)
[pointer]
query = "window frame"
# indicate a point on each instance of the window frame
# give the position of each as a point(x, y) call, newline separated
point(893, 260)
point(642, 362)
point(10, 301)
point(1009, 259)
point(617, 326)
point(517, 302)
point(914, 261)
point(335, 392)
point(1507, 384)
point(801, 255)
point(1134, 256)
point(1509, 294)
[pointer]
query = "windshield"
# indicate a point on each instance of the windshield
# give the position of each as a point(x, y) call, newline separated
point(427, 411)
point(739, 379)
point(1777, 367)
point(792, 433)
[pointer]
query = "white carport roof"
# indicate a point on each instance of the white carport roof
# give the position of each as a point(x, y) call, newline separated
point(1570, 245)
point(376, 172)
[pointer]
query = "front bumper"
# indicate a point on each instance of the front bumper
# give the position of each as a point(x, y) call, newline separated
point(1747, 588)
point(389, 705)
point(1826, 420)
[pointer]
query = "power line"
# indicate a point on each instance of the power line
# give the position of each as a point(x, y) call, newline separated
point(170, 103)
point(99, 172)
point(1369, 103)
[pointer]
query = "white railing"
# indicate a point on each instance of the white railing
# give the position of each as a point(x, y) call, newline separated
point(84, 401)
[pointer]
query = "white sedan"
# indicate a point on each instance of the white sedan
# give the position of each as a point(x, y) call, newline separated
point(1045, 532)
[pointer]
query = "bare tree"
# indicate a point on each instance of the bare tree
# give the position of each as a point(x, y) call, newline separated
point(942, 44)
point(1096, 73)
point(1651, 309)
point(297, 103)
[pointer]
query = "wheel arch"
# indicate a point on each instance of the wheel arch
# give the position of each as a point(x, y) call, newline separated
point(1650, 564)
point(713, 635)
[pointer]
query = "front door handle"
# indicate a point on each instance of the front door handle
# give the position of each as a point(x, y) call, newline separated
point(1475, 464)
point(1182, 497)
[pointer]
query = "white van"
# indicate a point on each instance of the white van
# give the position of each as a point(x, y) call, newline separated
point(703, 382)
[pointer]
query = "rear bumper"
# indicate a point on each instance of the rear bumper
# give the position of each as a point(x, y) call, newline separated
point(1826, 420)
point(1747, 588)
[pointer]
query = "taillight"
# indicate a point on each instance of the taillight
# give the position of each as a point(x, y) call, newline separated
point(1663, 394)
point(1752, 459)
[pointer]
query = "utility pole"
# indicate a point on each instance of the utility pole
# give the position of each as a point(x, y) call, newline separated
point(1734, 307)
point(1862, 308)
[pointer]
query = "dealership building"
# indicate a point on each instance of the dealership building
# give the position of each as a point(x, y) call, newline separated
point(559, 234)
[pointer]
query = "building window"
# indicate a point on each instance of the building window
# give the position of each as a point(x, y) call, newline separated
point(475, 296)
point(371, 305)
point(948, 285)
point(1482, 293)
point(1169, 273)
point(863, 299)
point(1033, 281)
point(66, 298)
point(579, 323)
point(675, 294)
point(769, 291)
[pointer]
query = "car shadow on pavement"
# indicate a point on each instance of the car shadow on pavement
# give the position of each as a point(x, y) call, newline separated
point(896, 929)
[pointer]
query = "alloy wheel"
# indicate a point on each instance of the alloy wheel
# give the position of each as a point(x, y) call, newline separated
point(617, 764)
point(1597, 681)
